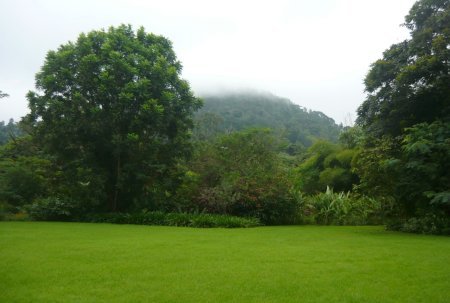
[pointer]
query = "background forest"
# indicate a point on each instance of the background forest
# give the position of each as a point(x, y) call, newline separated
point(115, 135)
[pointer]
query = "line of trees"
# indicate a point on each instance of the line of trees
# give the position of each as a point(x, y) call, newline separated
point(111, 130)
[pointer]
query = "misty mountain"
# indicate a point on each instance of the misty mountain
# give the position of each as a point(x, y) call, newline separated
point(223, 113)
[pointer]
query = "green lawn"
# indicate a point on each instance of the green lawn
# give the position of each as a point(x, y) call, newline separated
point(76, 262)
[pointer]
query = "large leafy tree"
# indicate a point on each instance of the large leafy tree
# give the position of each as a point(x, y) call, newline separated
point(411, 83)
point(406, 116)
point(113, 103)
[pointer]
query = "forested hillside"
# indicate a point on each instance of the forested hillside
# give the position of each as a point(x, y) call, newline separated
point(235, 111)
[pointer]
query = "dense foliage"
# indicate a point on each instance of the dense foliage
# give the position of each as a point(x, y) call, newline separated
point(115, 114)
point(405, 153)
point(240, 174)
point(341, 209)
point(111, 130)
point(326, 165)
point(9, 131)
point(52, 209)
point(24, 173)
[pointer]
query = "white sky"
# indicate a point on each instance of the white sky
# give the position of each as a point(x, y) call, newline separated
point(314, 52)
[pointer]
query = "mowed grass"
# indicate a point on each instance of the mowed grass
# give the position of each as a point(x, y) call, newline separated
point(76, 262)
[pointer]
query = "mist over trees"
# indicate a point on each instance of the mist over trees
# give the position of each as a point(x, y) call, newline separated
point(240, 110)
point(114, 132)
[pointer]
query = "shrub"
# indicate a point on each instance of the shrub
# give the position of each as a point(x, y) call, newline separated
point(52, 209)
point(20, 216)
point(341, 209)
point(177, 219)
point(22, 180)
point(436, 224)
point(240, 174)
point(279, 206)
point(3, 210)
point(174, 219)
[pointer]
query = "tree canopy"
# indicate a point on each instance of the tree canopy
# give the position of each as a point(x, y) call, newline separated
point(411, 83)
point(406, 117)
point(113, 103)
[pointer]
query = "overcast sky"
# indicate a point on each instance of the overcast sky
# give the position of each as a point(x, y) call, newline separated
point(314, 52)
